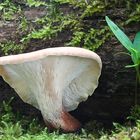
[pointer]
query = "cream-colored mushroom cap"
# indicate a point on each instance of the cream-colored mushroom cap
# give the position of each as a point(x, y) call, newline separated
point(54, 80)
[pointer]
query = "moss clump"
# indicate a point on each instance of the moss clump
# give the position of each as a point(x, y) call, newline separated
point(8, 10)
point(57, 21)
point(10, 47)
point(13, 126)
point(84, 20)
point(134, 15)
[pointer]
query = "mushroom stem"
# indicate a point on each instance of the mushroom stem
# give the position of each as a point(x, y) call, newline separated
point(68, 123)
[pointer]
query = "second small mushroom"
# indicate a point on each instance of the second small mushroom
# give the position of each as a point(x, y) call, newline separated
point(53, 80)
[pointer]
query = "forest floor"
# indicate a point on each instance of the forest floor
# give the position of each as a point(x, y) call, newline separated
point(13, 126)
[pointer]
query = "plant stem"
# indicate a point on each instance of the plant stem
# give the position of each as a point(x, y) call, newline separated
point(136, 92)
point(137, 83)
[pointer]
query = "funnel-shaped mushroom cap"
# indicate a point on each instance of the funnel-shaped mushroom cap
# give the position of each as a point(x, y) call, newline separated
point(54, 80)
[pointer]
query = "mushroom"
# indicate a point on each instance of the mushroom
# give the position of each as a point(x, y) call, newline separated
point(54, 80)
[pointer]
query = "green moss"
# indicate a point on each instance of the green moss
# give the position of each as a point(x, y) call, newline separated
point(57, 21)
point(74, 3)
point(134, 15)
point(43, 33)
point(94, 7)
point(90, 35)
point(8, 10)
point(35, 3)
point(10, 47)
point(14, 126)
point(23, 25)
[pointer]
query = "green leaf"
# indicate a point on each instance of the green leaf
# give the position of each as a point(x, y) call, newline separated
point(136, 43)
point(131, 66)
point(126, 42)
point(134, 55)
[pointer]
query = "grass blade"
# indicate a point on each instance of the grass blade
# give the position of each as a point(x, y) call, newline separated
point(131, 66)
point(136, 42)
point(126, 42)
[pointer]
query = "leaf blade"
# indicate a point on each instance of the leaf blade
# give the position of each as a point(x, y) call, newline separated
point(126, 42)
point(136, 42)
